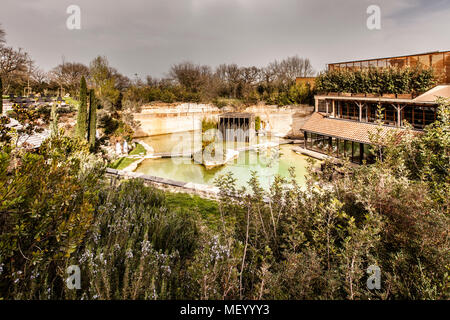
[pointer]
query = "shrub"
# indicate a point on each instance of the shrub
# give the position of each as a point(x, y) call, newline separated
point(47, 208)
point(376, 80)
point(138, 247)
point(257, 123)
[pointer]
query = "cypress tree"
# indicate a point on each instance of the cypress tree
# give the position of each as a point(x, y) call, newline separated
point(82, 110)
point(1, 97)
point(92, 118)
point(54, 124)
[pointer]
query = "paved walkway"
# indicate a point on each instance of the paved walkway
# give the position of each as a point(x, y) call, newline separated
point(313, 154)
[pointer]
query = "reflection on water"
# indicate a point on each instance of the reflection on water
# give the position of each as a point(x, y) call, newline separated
point(267, 163)
point(192, 140)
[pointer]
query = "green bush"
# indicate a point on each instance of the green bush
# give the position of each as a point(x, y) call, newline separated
point(376, 80)
point(257, 123)
point(47, 208)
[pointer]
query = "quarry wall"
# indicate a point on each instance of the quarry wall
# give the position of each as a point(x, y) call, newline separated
point(162, 119)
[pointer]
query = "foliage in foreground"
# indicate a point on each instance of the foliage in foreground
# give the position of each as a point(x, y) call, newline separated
point(131, 241)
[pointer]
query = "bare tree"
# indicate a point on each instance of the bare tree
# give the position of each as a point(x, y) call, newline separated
point(294, 67)
point(231, 75)
point(151, 82)
point(68, 75)
point(2, 36)
point(39, 79)
point(14, 65)
point(288, 69)
point(191, 76)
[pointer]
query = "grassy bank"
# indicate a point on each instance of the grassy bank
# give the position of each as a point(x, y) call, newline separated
point(208, 209)
point(124, 162)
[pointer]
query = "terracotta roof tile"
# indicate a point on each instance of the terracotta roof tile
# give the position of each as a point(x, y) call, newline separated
point(349, 130)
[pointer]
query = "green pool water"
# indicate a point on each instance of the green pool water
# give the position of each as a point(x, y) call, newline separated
point(267, 163)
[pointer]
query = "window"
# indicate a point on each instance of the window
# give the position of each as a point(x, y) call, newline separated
point(354, 111)
point(424, 61)
point(341, 148)
point(418, 118)
point(372, 112)
point(348, 149)
point(322, 144)
point(368, 154)
point(338, 107)
point(344, 110)
point(447, 67)
point(430, 115)
point(322, 106)
point(356, 156)
point(364, 114)
point(382, 63)
point(312, 136)
point(398, 62)
point(408, 114)
point(334, 147)
point(437, 63)
point(390, 115)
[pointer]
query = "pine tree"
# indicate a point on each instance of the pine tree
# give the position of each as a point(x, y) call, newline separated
point(92, 118)
point(54, 124)
point(82, 110)
point(1, 97)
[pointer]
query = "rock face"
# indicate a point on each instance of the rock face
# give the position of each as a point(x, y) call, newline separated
point(282, 121)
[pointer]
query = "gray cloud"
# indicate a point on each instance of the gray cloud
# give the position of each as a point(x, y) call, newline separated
point(146, 37)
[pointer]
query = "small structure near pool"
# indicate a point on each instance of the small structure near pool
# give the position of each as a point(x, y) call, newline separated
point(237, 127)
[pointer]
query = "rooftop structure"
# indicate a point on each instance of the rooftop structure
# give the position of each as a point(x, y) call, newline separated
point(438, 60)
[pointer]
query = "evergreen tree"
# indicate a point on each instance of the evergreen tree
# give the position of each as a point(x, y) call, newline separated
point(1, 98)
point(82, 110)
point(54, 118)
point(92, 118)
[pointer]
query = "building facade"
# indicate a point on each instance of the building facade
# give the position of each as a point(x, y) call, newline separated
point(344, 124)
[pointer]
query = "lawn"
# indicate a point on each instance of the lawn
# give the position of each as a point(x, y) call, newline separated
point(138, 150)
point(208, 209)
point(71, 101)
point(124, 162)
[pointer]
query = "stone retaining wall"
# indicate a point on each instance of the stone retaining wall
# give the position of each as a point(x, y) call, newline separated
point(165, 184)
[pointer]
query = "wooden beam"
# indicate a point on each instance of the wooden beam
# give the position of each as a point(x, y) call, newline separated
point(360, 105)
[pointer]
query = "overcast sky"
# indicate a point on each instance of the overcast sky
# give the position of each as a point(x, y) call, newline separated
point(147, 36)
